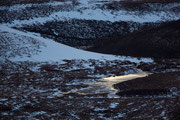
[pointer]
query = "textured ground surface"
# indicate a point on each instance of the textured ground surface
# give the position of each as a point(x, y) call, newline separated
point(50, 90)
point(61, 87)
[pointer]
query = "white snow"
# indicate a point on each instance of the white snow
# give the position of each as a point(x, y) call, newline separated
point(98, 14)
point(100, 109)
point(88, 10)
point(3, 99)
point(113, 105)
point(130, 103)
point(53, 51)
point(17, 7)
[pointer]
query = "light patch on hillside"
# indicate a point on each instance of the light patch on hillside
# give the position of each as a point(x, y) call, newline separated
point(95, 10)
point(13, 45)
point(53, 51)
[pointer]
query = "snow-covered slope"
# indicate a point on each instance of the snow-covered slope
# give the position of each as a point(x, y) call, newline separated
point(49, 50)
point(90, 10)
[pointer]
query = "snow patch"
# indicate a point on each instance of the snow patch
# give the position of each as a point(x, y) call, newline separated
point(113, 105)
point(53, 51)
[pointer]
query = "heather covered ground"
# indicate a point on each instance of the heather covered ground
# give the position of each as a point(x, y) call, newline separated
point(41, 78)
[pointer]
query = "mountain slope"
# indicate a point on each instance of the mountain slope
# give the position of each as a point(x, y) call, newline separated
point(90, 10)
point(79, 23)
point(47, 49)
point(158, 42)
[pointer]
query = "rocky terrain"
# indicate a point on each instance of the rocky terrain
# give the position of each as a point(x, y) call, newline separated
point(41, 78)
point(54, 91)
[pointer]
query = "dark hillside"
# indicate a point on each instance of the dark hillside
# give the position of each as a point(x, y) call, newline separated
point(13, 2)
point(157, 42)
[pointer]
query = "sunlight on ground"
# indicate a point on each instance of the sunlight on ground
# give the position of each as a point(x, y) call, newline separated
point(106, 86)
